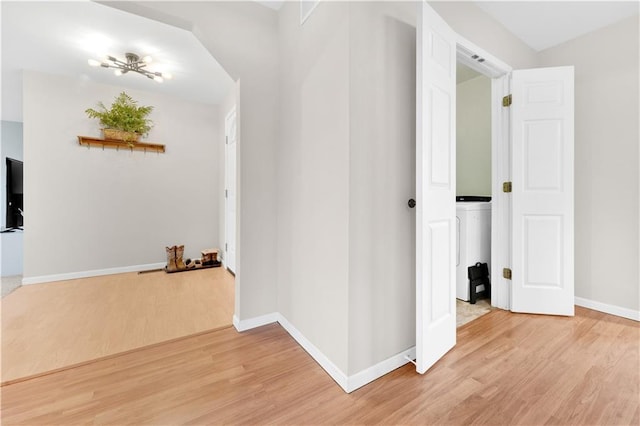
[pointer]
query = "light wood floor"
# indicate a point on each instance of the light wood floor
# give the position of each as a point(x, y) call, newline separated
point(506, 369)
point(49, 326)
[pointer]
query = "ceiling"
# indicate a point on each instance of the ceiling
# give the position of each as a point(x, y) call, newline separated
point(544, 24)
point(547, 23)
point(59, 38)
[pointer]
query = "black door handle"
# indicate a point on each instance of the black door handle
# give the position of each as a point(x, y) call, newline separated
point(411, 203)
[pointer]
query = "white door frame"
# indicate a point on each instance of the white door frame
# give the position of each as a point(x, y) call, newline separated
point(499, 73)
point(501, 201)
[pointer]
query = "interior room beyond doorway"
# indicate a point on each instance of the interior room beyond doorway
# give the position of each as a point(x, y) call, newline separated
point(473, 132)
point(473, 188)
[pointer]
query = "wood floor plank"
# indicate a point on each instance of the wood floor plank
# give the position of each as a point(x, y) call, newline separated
point(54, 325)
point(506, 369)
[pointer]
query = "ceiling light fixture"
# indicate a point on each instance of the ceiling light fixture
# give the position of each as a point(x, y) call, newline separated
point(133, 63)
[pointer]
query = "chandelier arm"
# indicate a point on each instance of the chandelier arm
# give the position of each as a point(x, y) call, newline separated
point(118, 62)
point(144, 72)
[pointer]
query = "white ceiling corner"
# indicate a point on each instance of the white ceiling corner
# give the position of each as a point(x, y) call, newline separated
point(544, 24)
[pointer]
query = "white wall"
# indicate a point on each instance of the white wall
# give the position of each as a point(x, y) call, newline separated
point(381, 181)
point(473, 137)
point(92, 209)
point(606, 161)
point(313, 176)
point(346, 266)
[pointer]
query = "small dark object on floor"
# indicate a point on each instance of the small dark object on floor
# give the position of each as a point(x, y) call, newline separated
point(150, 270)
point(478, 275)
point(199, 268)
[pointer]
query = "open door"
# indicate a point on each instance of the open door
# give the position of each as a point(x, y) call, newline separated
point(231, 147)
point(542, 204)
point(435, 188)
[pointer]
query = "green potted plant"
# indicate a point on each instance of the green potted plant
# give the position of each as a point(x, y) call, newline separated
point(125, 120)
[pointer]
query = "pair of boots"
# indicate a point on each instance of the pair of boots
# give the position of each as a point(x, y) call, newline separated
point(174, 259)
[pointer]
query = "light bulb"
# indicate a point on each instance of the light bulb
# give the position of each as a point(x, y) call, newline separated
point(94, 63)
point(147, 59)
point(158, 79)
point(167, 75)
point(118, 72)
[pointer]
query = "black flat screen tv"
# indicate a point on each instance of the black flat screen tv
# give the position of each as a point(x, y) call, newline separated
point(15, 194)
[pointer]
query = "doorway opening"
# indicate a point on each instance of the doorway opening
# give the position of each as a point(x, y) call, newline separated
point(473, 192)
point(230, 185)
point(477, 201)
point(480, 167)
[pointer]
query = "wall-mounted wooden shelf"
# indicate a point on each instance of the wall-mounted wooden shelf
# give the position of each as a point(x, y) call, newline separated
point(112, 143)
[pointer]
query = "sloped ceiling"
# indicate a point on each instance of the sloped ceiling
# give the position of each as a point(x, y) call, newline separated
point(59, 38)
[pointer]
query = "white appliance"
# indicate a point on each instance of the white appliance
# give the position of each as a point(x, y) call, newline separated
point(473, 241)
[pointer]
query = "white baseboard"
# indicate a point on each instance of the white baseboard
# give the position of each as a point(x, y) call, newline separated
point(608, 309)
point(336, 374)
point(93, 273)
point(248, 324)
point(347, 383)
point(380, 369)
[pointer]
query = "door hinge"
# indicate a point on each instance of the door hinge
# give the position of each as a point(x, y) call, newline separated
point(226, 193)
point(225, 247)
point(226, 140)
point(506, 273)
point(506, 101)
point(506, 187)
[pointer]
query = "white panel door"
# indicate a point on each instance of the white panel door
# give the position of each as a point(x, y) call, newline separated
point(542, 165)
point(435, 188)
point(230, 190)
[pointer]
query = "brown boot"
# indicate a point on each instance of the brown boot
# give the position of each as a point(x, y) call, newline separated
point(179, 262)
point(171, 259)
